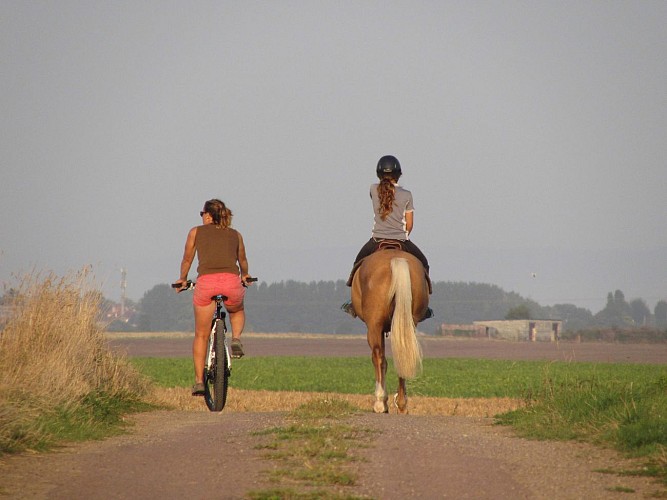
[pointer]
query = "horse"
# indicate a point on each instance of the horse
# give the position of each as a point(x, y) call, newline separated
point(390, 293)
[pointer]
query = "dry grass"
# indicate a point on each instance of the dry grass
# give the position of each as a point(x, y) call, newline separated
point(53, 354)
point(239, 400)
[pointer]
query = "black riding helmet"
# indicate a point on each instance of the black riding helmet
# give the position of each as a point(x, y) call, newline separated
point(388, 165)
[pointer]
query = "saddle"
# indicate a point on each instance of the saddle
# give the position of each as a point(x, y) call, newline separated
point(387, 245)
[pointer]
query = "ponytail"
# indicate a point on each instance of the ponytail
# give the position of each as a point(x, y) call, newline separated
point(386, 195)
point(221, 215)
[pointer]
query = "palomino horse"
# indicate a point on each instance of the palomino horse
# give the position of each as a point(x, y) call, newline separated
point(390, 294)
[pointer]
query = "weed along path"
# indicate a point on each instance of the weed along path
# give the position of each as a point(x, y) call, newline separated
point(197, 454)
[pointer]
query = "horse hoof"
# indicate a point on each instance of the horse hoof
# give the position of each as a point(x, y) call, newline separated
point(380, 407)
point(401, 407)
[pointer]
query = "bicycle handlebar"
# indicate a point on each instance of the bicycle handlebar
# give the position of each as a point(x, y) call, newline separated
point(185, 286)
point(191, 284)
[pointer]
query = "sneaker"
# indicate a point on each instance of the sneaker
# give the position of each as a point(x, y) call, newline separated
point(347, 307)
point(237, 349)
point(198, 389)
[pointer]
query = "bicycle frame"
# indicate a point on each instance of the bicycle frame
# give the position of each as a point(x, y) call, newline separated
point(217, 368)
point(220, 314)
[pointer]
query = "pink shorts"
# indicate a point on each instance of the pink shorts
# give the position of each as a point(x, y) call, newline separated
point(227, 284)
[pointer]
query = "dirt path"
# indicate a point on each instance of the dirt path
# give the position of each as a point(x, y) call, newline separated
point(186, 454)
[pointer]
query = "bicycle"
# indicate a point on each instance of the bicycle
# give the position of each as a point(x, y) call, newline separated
point(218, 364)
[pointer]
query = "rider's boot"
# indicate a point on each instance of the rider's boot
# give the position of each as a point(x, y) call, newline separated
point(347, 307)
point(428, 314)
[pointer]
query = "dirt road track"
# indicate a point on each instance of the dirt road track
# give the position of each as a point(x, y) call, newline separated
point(179, 455)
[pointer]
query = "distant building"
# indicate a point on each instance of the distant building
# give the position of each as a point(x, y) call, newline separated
point(545, 330)
point(469, 331)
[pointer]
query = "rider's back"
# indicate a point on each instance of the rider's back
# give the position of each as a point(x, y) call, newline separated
point(217, 250)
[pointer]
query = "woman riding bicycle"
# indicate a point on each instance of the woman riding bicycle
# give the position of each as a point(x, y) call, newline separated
point(222, 270)
point(393, 217)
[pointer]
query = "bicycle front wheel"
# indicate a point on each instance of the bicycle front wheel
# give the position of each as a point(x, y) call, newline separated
point(216, 375)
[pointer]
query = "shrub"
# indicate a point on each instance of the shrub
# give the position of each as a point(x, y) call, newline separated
point(622, 335)
point(55, 365)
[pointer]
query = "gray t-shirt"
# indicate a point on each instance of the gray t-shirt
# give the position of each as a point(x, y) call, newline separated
point(393, 227)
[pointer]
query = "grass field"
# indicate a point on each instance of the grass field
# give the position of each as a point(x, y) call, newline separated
point(453, 378)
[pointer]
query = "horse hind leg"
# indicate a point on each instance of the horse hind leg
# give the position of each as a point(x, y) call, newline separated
point(381, 397)
point(401, 397)
point(380, 364)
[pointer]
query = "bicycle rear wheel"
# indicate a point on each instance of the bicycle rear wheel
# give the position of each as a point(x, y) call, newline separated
point(216, 375)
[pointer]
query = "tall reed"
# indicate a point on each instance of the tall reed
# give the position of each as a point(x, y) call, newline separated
point(54, 360)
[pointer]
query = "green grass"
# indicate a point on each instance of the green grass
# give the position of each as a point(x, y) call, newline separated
point(628, 415)
point(98, 416)
point(95, 416)
point(454, 378)
point(313, 452)
point(633, 414)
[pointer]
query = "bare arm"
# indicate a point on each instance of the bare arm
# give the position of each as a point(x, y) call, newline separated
point(188, 255)
point(409, 221)
point(243, 260)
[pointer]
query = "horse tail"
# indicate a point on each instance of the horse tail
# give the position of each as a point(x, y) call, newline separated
point(406, 350)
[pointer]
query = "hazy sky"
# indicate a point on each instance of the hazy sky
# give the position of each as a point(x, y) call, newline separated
point(533, 136)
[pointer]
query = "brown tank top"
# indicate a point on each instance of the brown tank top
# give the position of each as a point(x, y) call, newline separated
point(217, 250)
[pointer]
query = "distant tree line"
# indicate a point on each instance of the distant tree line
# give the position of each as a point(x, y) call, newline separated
point(292, 306)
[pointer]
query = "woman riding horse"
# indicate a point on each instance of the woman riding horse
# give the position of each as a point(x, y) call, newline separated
point(390, 287)
point(393, 220)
